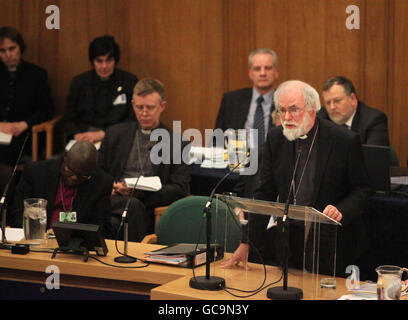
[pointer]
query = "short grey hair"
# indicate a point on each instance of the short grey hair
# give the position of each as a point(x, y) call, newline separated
point(310, 94)
point(264, 51)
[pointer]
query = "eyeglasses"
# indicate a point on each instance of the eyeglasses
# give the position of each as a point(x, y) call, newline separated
point(335, 101)
point(79, 176)
point(294, 111)
point(149, 108)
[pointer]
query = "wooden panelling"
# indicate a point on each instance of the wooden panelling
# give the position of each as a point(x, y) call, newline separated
point(199, 48)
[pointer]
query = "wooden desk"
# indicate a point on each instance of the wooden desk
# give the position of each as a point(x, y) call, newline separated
point(238, 278)
point(160, 282)
point(93, 274)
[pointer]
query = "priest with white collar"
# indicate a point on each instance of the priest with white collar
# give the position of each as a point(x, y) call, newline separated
point(126, 153)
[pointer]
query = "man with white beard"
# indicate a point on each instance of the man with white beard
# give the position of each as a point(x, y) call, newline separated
point(330, 177)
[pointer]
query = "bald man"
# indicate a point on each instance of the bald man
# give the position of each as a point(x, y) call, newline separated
point(71, 184)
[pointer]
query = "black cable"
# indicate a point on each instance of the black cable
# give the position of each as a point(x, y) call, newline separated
point(121, 266)
point(261, 287)
point(95, 258)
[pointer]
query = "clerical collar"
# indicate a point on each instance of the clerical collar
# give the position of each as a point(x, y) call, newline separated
point(12, 69)
point(145, 131)
point(310, 133)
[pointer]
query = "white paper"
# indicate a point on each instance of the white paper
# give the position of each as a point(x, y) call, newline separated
point(145, 183)
point(5, 138)
point(72, 142)
point(120, 99)
point(13, 234)
point(399, 180)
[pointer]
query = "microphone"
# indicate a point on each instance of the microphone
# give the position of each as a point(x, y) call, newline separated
point(3, 205)
point(285, 292)
point(125, 258)
point(124, 214)
point(208, 282)
point(290, 192)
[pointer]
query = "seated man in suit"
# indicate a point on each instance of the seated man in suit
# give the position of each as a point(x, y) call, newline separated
point(101, 97)
point(331, 177)
point(25, 99)
point(70, 183)
point(344, 108)
point(127, 151)
point(251, 108)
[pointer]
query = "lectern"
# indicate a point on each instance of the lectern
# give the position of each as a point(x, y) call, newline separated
point(314, 251)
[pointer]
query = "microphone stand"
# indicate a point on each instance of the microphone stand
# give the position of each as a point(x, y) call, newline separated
point(3, 204)
point(208, 282)
point(285, 292)
point(125, 258)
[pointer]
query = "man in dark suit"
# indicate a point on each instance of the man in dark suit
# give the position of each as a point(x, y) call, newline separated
point(101, 97)
point(344, 108)
point(71, 183)
point(331, 176)
point(129, 150)
point(251, 108)
point(25, 99)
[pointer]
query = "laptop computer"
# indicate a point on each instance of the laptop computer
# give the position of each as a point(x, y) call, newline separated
point(377, 161)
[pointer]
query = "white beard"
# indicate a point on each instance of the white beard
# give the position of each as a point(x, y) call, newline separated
point(300, 130)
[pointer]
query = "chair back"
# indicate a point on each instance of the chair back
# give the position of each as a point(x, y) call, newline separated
point(184, 222)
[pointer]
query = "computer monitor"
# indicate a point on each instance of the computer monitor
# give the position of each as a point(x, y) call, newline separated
point(80, 238)
point(377, 161)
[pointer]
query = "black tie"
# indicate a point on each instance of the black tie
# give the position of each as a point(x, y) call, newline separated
point(259, 121)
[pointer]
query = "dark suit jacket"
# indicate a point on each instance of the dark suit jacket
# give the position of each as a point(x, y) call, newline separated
point(370, 123)
point(80, 109)
point(234, 109)
point(340, 180)
point(114, 153)
point(31, 102)
point(41, 180)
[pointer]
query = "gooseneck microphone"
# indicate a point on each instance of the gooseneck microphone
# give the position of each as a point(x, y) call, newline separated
point(290, 191)
point(285, 292)
point(125, 258)
point(208, 282)
point(3, 205)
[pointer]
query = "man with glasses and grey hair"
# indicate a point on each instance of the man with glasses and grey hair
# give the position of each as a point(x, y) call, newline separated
point(343, 108)
point(126, 153)
point(330, 177)
point(251, 108)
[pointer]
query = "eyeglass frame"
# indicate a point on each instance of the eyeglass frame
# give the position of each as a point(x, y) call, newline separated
point(149, 109)
point(79, 176)
point(335, 101)
point(294, 111)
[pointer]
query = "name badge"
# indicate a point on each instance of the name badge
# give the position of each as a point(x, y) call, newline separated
point(70, 216)
point(120, 99)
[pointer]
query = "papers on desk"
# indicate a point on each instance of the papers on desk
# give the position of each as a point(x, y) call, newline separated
point(5, 138)
point(72, 142)
point(366, 291)
point(400, 180)
point(184, 254)
point(13, 234)
point(145, 183)
point(209, 157)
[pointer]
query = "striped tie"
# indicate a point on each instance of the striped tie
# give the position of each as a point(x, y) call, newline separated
point(259, 121)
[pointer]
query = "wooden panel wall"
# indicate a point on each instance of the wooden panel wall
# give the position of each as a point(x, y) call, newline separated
point(199, 48)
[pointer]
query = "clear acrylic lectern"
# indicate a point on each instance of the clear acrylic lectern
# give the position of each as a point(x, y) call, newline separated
point(312, 236)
